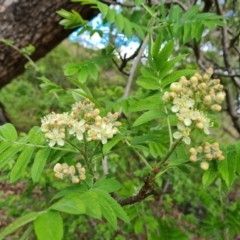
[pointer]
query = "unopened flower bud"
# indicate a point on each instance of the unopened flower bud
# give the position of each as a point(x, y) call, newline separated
point(118, 124)
point(207, 149)
point(58, 175)
point(192, 151)
point(64, 165)
point(202, 86)
point(98, 119)
point(65, 171)
point(220, 87)
point(220, 97)
point(82, 170)
point(207, 100)
point(114, 131)
point(166, 97)
point(72, 170)
point(57, 168)
point(222, 158)
point(199, 125)
point(96, 112)
point(82, 177)
point(176, 87)
point(78, 165)
point(115, 115)
point(173, 95)
point(204, 165)
point(194, 80)
point(216, 108)
point(199, 149)
point(193, 158)
point(75, 179)
point(218, 155)
point(209, 156)
point(209, 71)
point(88, 115)
point(212, 92)
point(198, 75)
point(205, 77)
point(98, 124)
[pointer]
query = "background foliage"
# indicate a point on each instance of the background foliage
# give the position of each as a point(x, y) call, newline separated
point(181, 208)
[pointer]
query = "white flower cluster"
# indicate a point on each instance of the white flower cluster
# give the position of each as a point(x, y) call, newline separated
point(83, 118)
point(190, 98)
point(206, 153)
point(63, 170)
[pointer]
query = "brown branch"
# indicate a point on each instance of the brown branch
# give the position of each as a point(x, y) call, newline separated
point(117, 3)
point(125, 60)
point(231, 110)
point(144, 192)
point(176, 2)
point(119, 67)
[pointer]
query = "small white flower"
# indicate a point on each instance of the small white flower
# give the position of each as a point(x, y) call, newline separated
point(55, 136)
point(78, 129)
point(182, 102)
point(183, 133)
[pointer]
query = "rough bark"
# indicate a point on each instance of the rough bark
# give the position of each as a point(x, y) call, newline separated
point(31, 22)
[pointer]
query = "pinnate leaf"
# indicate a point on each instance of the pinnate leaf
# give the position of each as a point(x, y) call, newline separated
point(49, 226)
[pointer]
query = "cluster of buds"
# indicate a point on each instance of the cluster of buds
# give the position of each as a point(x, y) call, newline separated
point(190, 98)
point(83, 118)
point(206, 153)
point(63, 170)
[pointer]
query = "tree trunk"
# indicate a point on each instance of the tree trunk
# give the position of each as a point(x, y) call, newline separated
point(31, 22)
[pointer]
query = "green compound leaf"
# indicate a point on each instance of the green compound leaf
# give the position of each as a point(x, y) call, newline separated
point(228, 166)
point(21, 163)
point(156, 46)
point(107, 209)
point(72, 189)
point(174, 76)
point(210, 175)
point(11, 228)
point(103, 8)
point(4, 145)
point(49, 226)
point(118, 210)
point(93, 208)
point(8, 132)
point(71, 203)
point(163, 56)
point(8, 154)
point(120, 21)
point(149, 103)
point(36, 136)
point(39, 163)
point(148, 116)
point(149, 83)
point(108, 185)
point(110, 144)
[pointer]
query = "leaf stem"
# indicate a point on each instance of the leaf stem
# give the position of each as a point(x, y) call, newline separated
point(140, 156)
point(169, 153)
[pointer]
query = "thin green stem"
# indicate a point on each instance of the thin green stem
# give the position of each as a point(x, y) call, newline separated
point(169, 153)
point(18, 50)
point(140, 156)
point(73, 145)
point(85, 155)
point(93, 152)
point(169, 128)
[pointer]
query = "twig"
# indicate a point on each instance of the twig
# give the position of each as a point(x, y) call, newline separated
point(117, 3)
point(134, 67)
point(105, 165)
point(144, 192)
point(176, 2)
